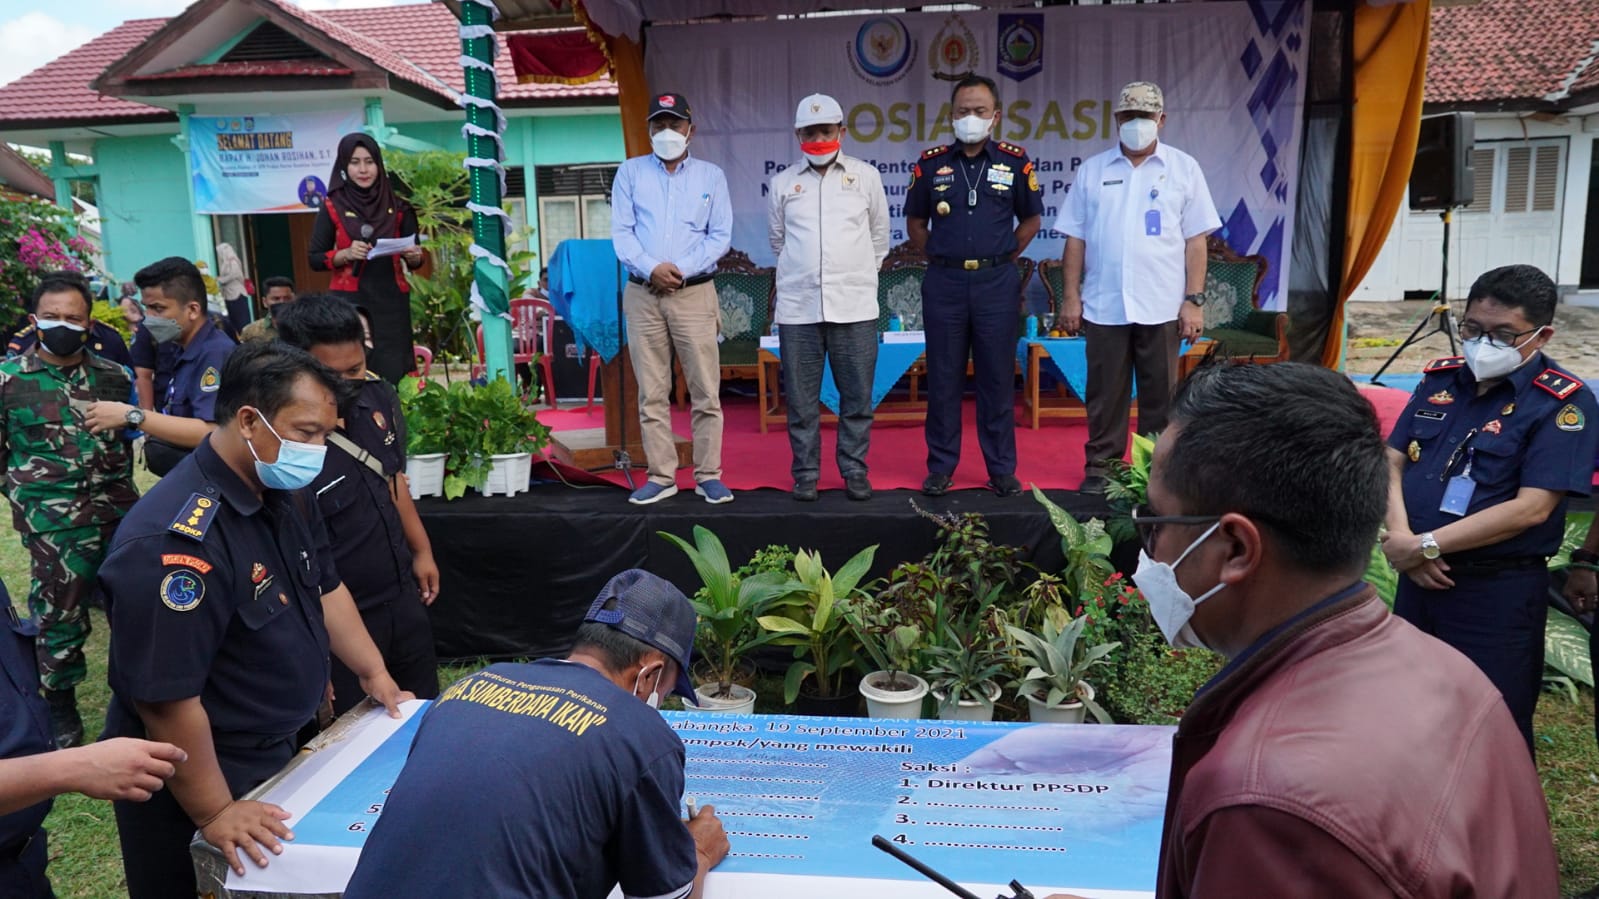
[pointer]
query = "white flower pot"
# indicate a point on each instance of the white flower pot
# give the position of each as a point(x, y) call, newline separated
point(884, 703)
point(425, 473)
point(968, 709)
point(1065, 713)
point(742, 702)
point(508, 474)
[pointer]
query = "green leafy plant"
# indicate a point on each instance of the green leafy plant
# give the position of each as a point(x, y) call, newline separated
point(891, 636)
point(1086, 546)
point(506, 422)
point(1153, 683)
point(35, 237)
point(1058, 661)
point(438, 186)
point(966, 662)
point(813, 620)
point(1381, 575)
point(112, 315)
point(471, 423)
point(729, 606)
point(428, 416)
point(1127, 485)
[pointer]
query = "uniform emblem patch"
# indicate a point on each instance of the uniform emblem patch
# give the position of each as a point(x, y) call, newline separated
point(1509, 408)
point(1441, 398)
point(1492, 427)
point(198, 564)
point(1413, 451)
point(210, 381)
point(1570, 418)
point(944, 170)
point(257, 572)
point(182, 590)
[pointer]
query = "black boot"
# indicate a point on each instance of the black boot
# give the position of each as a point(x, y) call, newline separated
point(64, 718)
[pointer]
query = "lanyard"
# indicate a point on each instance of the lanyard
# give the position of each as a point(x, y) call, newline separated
point(971, 192)
point(1464, 449)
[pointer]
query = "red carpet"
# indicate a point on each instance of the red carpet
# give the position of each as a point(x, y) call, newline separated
point(1050, 457)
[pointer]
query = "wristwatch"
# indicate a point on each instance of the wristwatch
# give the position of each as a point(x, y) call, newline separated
point(1429, 547)
point(1198, 299)
point(135, 418)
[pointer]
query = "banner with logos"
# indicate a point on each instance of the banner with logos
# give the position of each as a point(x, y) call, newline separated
point(249, 164)
point(1233, 74)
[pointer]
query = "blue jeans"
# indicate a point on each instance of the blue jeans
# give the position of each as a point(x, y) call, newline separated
point(851, 351)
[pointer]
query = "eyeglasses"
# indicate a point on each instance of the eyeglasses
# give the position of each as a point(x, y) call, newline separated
point(1501, 337)
point(1148, 524)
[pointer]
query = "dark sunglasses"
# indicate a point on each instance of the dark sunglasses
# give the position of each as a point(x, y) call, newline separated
point(1148, 524)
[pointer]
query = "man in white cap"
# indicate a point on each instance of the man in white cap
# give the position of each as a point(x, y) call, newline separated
point(828, 219)
point(1137, 215)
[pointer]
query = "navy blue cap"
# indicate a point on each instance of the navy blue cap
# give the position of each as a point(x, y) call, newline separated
point(649, 609)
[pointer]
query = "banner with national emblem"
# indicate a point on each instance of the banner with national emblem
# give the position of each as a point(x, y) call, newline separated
point(251, 164)
point(1233, 74)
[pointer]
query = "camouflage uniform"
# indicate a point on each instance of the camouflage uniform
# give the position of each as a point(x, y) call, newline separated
point(260, 329)
point(68, 489)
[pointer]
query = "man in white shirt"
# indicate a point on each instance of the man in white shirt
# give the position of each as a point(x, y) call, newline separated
point(1135, 223)
point(828, 218)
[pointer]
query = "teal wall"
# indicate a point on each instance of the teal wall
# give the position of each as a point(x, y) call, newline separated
point(144, 202)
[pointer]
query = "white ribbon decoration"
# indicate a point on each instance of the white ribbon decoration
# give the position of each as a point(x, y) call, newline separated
point(480, 253)
point(476, 299)
point(466, 100)
point(470, 130)
point(478, 162)
point(501, 214)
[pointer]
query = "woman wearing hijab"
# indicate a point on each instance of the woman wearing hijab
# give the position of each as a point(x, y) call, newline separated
point(230, 284)
point(362, 208)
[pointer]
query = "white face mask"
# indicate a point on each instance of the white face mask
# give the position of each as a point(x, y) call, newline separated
point(653, 700)
point(1168, 603)
point(821, 159)
point(1488, 362)
point(668, 144)
point(1138, 134)
point(971, 129)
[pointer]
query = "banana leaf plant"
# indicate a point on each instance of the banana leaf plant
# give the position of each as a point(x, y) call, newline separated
point(813, 620)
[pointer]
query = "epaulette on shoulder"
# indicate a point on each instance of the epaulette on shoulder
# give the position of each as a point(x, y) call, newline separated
point(1558, 383)
point(372, 376)
point(195, 517)
point(939, 150)
point(1012, 149)
point(1447, 363)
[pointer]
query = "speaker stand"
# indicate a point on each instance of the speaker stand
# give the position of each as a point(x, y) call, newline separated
point(1440, 311)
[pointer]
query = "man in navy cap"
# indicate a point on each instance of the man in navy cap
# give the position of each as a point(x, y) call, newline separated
point(555, 777)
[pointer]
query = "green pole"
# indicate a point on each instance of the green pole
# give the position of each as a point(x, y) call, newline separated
point(58, 166)
point(488, 235)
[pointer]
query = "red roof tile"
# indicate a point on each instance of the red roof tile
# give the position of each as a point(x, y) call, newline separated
point(59, 91)
point(291, 67)
point(417, 43)
point(1514, 52)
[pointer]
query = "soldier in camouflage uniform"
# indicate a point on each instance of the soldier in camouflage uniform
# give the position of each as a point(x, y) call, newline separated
point(68, 488)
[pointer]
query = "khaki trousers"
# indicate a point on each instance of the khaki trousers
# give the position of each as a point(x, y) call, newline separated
point(687, 320)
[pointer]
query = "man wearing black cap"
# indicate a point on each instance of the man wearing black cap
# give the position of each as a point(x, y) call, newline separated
point(554, 777)
point(671, 221)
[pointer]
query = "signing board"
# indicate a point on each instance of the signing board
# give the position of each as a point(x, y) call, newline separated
point(1056, 807)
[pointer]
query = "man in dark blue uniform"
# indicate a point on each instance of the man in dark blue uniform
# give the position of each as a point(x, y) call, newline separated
point(1483, 457)
point(983, 201)
point(30, 773)
point(379, 545)
point(224, 604)
point(174, 302)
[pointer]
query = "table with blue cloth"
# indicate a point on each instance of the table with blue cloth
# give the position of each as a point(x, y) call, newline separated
point(893, 361)
point(1066, 358)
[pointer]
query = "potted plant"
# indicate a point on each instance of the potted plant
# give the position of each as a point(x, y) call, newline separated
point(508, 435)
point(965, 678)
point(427, 426)
point(728, 608)
point(891, 630)
point(813, 619)
point(1058, 661)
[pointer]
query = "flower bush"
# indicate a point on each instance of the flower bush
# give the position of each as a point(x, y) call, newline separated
point(35, 237)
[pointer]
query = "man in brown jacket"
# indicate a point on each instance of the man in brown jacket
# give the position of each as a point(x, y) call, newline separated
point(1341, 752)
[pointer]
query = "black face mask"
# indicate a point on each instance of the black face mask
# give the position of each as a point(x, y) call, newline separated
point(62, 339)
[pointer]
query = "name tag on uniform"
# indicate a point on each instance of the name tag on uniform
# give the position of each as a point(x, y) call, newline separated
point(1152, 223)
point(996, 176)
point(1110, 183)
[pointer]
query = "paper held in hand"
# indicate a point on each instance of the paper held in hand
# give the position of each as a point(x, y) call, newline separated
point(391, 246)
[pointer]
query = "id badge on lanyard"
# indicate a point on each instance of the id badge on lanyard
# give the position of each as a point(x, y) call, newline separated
point(1152, 217)
point(1457, 495)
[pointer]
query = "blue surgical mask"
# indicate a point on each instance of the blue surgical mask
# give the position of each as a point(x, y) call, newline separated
point(298, 463)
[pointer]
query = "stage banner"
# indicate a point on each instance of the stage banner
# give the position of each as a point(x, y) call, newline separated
point(1232, 73)
point(250, 164)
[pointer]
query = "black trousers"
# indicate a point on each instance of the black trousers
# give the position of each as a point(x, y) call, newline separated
point(404, 636)
point(155, 835)
point(1117, 354)
point(22, 876)
point(971, 314)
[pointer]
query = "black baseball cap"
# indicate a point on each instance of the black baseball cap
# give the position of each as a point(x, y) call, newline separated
point(649, 609)
point(670, 104)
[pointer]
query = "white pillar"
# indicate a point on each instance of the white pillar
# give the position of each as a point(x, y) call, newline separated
point(1574, 209)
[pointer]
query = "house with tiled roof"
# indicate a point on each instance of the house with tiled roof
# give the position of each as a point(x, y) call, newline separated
point(1528, 71)
point(131, 99)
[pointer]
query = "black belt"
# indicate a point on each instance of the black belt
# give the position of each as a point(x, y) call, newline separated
point(970, 265)
point(690, 282)
point(1496, 566)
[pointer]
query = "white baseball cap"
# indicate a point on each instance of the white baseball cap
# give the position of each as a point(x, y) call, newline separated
point(818, 109)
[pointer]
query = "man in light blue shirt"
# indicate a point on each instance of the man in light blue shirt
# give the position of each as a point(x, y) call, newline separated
point(671, 221)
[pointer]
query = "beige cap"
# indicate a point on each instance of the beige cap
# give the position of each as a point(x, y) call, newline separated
point(818, 109)
point(1141, 96)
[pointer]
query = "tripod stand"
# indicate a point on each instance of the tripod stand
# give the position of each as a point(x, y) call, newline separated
point(1439, 311)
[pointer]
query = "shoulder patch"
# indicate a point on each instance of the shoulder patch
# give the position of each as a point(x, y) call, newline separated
point(1012, 149)
point(196, 517)
point(939, 150)
point(210, 381)
point(187, 561)
point(182, 590)
point(1570, 418)
point(1560, 384)
point(1447, 363)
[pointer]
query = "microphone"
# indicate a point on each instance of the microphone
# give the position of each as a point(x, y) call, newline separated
point(366, 233)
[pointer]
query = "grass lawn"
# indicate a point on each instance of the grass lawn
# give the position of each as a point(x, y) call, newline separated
point(87, 864)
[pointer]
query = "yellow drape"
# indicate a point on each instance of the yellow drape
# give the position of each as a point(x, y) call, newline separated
point(1390, 45)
